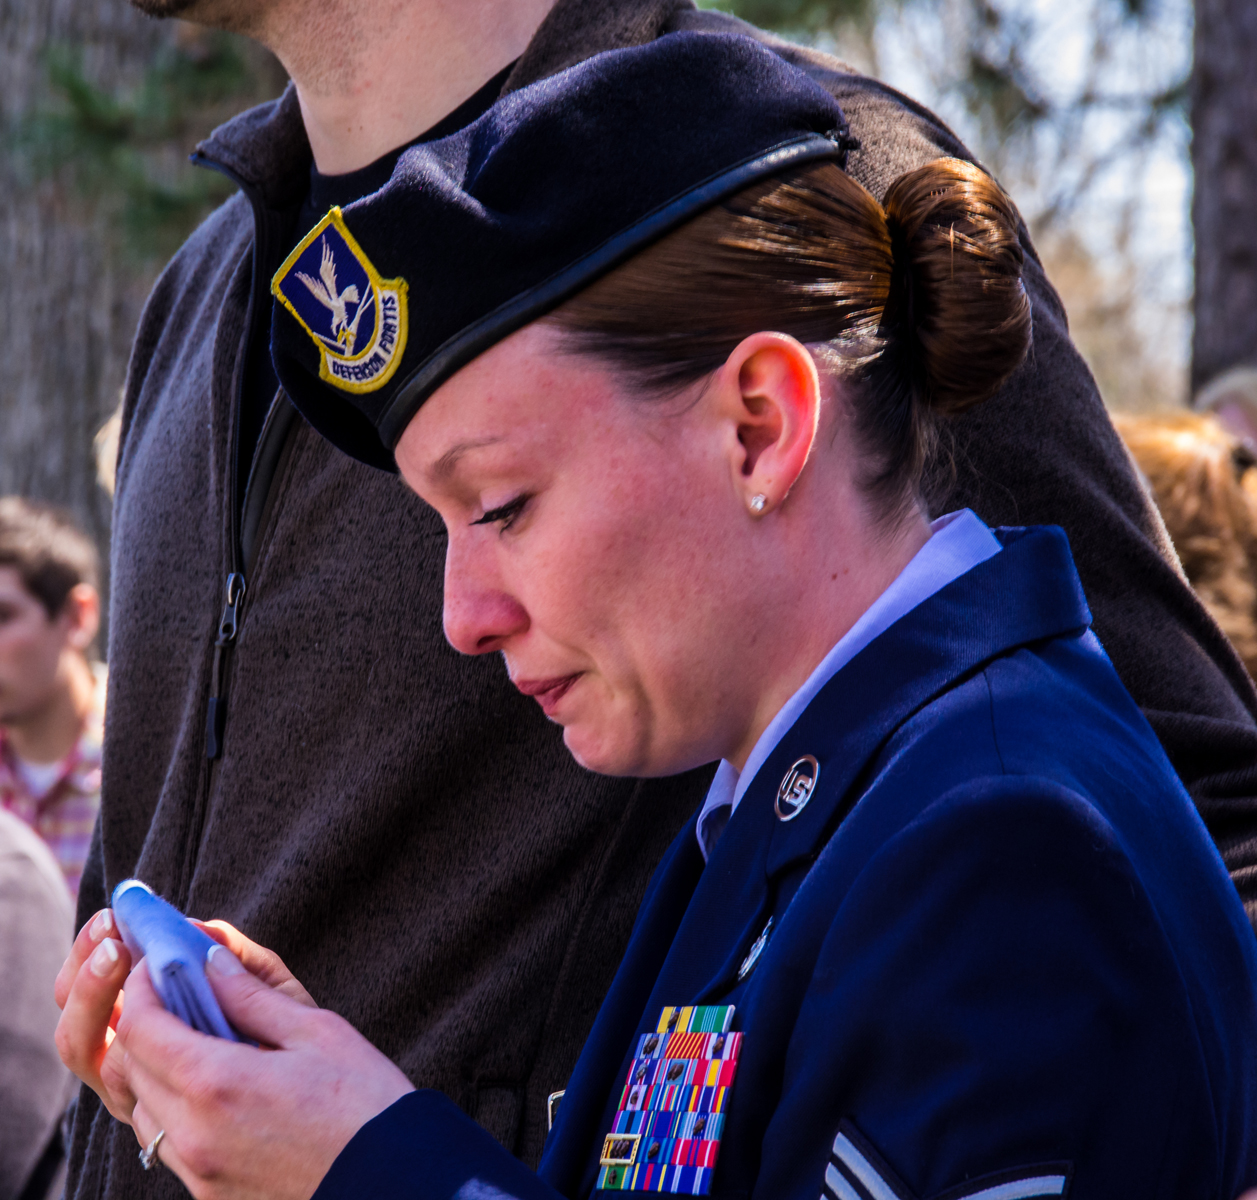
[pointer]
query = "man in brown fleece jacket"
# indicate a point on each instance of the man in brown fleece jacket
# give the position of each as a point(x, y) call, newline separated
point(292, 745)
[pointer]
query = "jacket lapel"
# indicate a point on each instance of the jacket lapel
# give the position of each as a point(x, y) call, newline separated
point(1027, 593)
point(727, 911)
point(590, 1098)
point(266, 149)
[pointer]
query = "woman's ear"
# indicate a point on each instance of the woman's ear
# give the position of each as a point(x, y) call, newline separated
point(771, 391)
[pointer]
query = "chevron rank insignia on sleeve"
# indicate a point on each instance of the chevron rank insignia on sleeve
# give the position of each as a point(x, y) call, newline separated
point(670, 1118)
point(857, 1172)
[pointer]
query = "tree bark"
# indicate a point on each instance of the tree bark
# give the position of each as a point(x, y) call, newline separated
point(69, 295)
point(72, 280)
point(1224, 206)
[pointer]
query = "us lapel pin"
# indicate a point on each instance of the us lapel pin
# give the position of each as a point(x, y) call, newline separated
point(796, 788)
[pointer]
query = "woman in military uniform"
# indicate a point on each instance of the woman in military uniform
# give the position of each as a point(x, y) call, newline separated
point(947, 924)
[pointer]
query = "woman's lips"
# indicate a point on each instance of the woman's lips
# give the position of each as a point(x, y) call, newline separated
point(547, 692)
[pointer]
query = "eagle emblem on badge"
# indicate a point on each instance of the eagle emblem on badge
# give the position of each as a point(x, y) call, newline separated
point(355, 318)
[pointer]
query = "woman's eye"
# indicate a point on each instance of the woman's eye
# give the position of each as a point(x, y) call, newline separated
point(505, 513)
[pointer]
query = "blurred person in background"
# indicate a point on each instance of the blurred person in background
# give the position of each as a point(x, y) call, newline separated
point(105, 445)
point(51, 694)
point(36, 928)
point(1203, 481)
point(1232, 398)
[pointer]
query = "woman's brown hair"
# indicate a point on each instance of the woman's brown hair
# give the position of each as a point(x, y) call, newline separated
point(917, 303)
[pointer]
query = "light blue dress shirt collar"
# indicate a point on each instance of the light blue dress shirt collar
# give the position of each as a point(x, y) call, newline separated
point(958, 542)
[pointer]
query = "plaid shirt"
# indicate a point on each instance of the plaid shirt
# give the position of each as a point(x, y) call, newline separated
point(65, 814)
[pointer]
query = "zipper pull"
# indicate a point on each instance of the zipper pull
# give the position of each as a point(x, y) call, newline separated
point(229, 622)
point(228, 626)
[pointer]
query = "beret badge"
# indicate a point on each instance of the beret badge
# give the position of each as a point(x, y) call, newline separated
point(356, 319)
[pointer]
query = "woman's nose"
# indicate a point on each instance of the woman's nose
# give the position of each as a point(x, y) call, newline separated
point(480, 617)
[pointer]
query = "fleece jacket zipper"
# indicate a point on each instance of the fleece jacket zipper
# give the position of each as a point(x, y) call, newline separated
point(244, 512)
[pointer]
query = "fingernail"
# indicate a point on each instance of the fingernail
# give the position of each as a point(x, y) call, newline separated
point(103, 925)
point(221, 961)
point(104, 958)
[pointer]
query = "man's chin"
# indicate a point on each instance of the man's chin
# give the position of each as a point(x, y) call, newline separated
point(235, 16)
point(168, 8)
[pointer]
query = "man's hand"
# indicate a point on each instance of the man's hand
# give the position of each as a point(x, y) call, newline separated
point(243, 1123)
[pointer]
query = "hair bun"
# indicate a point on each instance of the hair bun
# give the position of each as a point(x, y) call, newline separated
point(957, 300)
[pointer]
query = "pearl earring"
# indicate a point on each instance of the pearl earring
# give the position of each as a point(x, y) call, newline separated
point(757, 503)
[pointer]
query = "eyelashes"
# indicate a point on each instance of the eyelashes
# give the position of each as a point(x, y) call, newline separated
point(505, 513)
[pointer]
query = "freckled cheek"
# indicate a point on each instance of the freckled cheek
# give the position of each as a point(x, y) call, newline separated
point(578, 580)
point(616, 563)
point(652, 617)
point(685, 622)
point(587, 590)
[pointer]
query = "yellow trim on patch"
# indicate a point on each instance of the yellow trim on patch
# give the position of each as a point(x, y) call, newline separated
point(385, 291)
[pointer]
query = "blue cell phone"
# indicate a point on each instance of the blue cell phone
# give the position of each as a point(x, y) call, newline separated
point(175, 950)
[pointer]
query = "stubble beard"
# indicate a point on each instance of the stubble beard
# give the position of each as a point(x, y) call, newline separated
point(235, 16)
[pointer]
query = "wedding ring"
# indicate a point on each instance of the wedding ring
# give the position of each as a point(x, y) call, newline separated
point(148, 1156)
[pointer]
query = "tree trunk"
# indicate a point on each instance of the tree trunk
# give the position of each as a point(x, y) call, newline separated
point(69, 296)
point(1224, 207)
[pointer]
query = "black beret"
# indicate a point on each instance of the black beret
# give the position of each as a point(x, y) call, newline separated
point(481, 232)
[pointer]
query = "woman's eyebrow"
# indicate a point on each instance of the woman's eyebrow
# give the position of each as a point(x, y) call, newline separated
point(444, 466)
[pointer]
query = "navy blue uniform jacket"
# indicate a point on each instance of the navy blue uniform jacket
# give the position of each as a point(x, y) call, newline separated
point(1003, 947)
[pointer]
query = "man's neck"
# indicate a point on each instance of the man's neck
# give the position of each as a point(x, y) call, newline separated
point(48, 734)
point(372, 75)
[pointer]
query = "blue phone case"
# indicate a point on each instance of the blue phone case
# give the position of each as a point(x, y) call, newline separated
point(176, 950)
